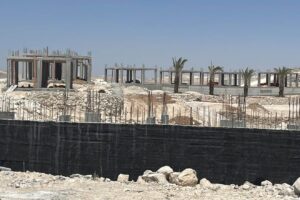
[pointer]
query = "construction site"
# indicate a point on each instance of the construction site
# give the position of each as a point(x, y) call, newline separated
point(58, 86)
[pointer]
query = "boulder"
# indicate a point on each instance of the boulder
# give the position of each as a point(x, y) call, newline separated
point(156, 178)
point(266, 183)
point(4, 169)
point(123, 178)
point(205, 183)
point(296, 186)
point(166, 170)
point(140, 180)
point(187, 177)
point(173, 177)
point(247, 186)
point(148, 172)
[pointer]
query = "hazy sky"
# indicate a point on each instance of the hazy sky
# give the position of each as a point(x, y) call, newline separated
point(257, 33)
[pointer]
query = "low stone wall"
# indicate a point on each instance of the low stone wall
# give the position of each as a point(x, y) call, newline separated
point(221, 155)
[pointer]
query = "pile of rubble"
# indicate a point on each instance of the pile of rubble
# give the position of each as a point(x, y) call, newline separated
point(161, 184)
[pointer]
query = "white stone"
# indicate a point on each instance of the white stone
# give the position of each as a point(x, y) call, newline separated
point(266, 183)
point(166, 170)
point(147, 172)
point(173, 177)
point(156, 178)
point(123, 178)
point(187, 177)
point(205, 183)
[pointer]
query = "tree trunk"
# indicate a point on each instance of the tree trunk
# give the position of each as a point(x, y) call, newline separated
point(211, 85)
point(211, 88)
point(245, 90)
point(281, 88)
point(176, 83)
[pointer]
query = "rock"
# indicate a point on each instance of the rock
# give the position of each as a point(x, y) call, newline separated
point(247, 186)
point(286, 191)
point(88, 176)
point(266, 183)
point(101, 179)
point(187, 177)
point(166, 170)
point(140, 180)
point(155, 177)
point(173, 177)
point(296, 186)
point(122, 178)
point(148, 172)
point(4, 169)
point(107, 180)
point(75, 176)
point(205, 183)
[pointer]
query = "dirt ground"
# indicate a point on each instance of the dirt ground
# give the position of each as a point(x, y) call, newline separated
point(32, 185)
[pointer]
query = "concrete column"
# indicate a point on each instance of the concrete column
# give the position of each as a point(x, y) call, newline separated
point(105, 74)
point(53, 70)
point(74, 66)
point(122, 80)
point(81, 70)
point(258, 80)
point(8, 73)
point(230, 79)
point(68, 73)
point(134, 75)
point(117, 76)
point(155, 76)
point(170, 77)
point(16, 68)
point(89, 71)
point(220, 77)
point(160, 77)
point(290, 81)
point(268, 79)
point(39, 73)
point(297, 80)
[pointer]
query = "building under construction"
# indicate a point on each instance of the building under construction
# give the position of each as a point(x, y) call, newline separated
point(41, 69)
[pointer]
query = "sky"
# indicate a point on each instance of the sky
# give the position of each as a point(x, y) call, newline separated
point(234, 34)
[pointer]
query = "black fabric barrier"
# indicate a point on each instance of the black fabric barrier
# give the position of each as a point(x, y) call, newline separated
point(221, 155)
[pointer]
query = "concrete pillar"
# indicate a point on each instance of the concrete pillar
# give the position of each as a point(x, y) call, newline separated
point(170, 77)
point(134, 75)
point(155, 76)
point(122, 80)
point(8, 73)
point(297, 80)
point(39, 73)
point(89, 71)
point(258, 79)
point(220, 77)
point(68, 73)
point(230, 79)
point(81, 70)
point(105, 74)
point(53, 70)
point(268, 79)
point(74, 73)
point(290, 81)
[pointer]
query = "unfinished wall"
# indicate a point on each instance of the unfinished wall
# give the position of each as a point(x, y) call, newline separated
point(219, 154)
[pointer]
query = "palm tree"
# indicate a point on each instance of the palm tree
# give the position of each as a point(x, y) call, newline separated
point(212, 71)
point(178, 66)
point(247, 74)
point(282, 72)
